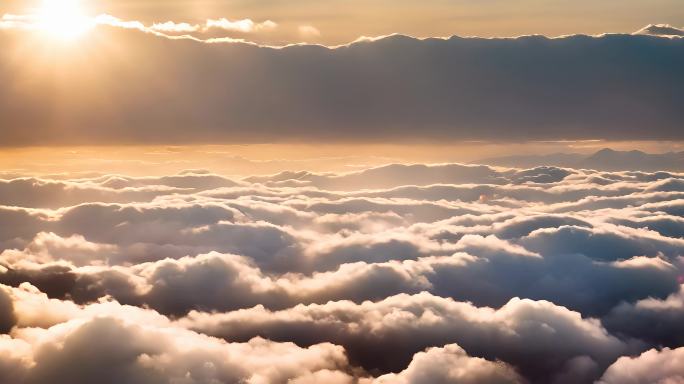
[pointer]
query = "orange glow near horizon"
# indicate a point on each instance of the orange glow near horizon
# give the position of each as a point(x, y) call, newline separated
point(251, 159)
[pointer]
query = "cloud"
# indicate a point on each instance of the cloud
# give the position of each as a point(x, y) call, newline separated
point(33, 192)
point(7, 317)
point(309, 31)
point(135, 353)
point(659, 322)
point(661, 30)
point(442, 238)
point(245, 93)
point(177, 286)
point(392, 175)
point(38, 192)
point(244, 25)
point(384, 335)
point(545, 274)
point(451, 364)
point(170, 26)
point(652, 366)
point(401, 324)
point(47, 326)
point(241, 26)
point(603, 243)
point(53, 338)
point(605, 159)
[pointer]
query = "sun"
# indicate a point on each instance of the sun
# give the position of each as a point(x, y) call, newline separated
point(63, 19)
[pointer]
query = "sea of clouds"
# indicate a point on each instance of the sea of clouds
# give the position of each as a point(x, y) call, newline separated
point(398, 274)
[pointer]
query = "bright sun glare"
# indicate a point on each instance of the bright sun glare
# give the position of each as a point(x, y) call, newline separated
point(63, 19)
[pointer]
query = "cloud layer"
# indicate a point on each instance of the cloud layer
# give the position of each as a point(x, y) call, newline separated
point(395, 274)
point(123, 83)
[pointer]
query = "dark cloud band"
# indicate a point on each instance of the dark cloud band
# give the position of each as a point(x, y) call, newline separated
point(156, 90)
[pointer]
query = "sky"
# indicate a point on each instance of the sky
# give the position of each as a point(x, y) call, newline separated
point(342, 21)
point(241, 160)
point(341, 192)
point(74, 80)
point(80, 73)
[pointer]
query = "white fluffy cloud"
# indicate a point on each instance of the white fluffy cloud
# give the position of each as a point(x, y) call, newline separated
point(109, 350)
point(242, 26)
point(503, 275)
point(661, 367)
point(537, 337)
point(451, 364)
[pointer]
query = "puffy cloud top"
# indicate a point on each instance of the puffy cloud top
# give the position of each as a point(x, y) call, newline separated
point(415, 273)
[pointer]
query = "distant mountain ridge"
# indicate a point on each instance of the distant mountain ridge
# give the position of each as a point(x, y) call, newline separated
point(605, 160)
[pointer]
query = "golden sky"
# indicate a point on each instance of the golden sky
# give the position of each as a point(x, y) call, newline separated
point(242, 160)
point(341, 21)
